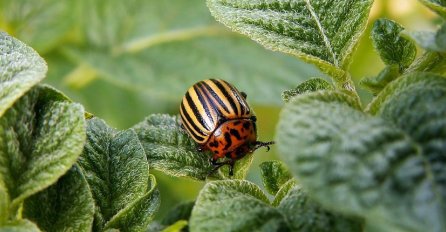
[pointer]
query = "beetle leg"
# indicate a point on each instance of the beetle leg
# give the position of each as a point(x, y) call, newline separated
point(217, 165)
point(259, 144)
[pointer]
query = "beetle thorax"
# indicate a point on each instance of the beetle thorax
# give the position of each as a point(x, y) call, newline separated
point(232, 139)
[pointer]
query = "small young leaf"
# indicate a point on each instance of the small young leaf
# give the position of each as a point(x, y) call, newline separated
point(376, 84)
point(438, 6)
point(20, 69)
point(19, 226)
point(321, 32)
point(393, 48)
point(169, 149)
point(234, 205)
point(65, 206)
point(40, 139)
point(303, 214)
point(274, 175)
point(116, 170)
point(138, 214)
point(310, 85)
point(358, 164)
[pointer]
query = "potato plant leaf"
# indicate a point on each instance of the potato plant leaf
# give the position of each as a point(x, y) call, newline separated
point(20, 69)
point(393, 48)
point(321, 32)
point(239, 205)
point(416, 103)
point(117, 172)
point(304, 214)
point(138, 214)
point(66, 205)
point(310, 85)
point(169, 149)
point(41, 136)
point(274, 175)
point(359, 164)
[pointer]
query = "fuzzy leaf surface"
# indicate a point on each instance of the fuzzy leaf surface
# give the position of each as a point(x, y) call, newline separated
point(20, 69)
point(234, 205)
point(274, 175)
point(358, 164)
point(66, 205)
point(321, 32)
point(139, 213)
point(169, 149)
point(238, 205)
point(416, 103)
point(40, 139)
point(310, 85)
point(304, 214)
point(116, 170)
point(393, 48)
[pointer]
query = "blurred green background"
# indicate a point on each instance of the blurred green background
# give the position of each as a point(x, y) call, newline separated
point(124, 60)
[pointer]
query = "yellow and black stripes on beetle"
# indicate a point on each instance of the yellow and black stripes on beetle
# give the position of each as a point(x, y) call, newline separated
point(207, 104)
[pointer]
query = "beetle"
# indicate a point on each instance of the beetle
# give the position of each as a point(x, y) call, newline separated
point(218, 118)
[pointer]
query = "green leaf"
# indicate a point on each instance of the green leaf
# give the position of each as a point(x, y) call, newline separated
point(417, 105)
point(274, 175)
point(358, 164)
point(376, 84)
point(117, 172)
point(393, 48)
point(43, 24)
point(40, 139)
point(439, 6)
point(169, 149)
point(238, 205)
point(431, 41)
point(19, 226)
point(139, 213)
point(320, 32)
point(307, 86)
point(65, 206)
point(303, 214)
point(234, 205)
point(20, 69)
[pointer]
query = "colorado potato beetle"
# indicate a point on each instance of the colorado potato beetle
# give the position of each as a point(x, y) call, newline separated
point(216, 115)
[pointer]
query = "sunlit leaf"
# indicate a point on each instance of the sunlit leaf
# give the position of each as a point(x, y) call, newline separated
point(20, 69)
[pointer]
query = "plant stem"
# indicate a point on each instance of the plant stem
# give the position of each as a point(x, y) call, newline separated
point(346, 85)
